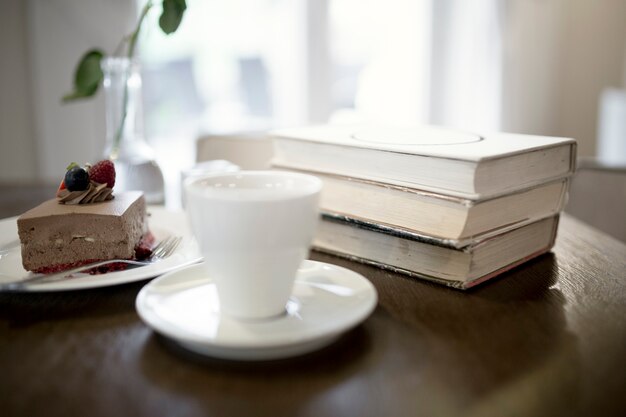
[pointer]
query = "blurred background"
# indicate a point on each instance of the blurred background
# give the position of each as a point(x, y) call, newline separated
point(548, 67)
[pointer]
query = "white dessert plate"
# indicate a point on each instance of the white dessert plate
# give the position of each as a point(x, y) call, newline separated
point(327, 301)
point(162, 223)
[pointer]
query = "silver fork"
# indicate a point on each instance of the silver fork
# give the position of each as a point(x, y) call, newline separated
point(161, 251)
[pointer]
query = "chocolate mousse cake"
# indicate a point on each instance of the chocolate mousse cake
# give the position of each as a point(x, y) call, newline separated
point(56, 236)
point(86, 223)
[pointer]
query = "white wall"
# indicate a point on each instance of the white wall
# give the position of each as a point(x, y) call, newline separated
point(40, 43)
point(60, 32)
point(593, 57)
point(559, 56)
point(531, 66)
point(17, 133)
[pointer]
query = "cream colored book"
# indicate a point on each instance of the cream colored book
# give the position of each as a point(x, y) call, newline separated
point(444, 161)
point(455, 220)
point(430, 258)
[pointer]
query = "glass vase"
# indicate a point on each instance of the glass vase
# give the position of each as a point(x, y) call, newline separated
point(135, 164)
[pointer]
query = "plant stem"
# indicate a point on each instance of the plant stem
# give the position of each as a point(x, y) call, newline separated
point(132, 42)
point(135, 34)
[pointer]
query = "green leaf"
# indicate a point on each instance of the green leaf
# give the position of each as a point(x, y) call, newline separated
point(172, 15)
point(70, 166)
point(87, 76)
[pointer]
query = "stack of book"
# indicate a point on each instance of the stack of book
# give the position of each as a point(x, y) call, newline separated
point(452, 207)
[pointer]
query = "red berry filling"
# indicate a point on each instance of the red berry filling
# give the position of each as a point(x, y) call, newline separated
point(143, 250)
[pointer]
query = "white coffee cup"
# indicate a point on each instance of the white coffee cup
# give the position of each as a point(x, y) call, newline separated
point(254, 229)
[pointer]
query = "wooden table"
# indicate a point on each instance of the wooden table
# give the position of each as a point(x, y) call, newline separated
point(548, 338)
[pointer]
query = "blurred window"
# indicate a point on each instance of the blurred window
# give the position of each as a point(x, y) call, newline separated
point(379, 57)
point(251, 65)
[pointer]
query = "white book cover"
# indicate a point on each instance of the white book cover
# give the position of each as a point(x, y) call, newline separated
point(425, 140)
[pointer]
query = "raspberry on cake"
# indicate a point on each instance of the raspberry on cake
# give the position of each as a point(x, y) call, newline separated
point(103, 173)
point(85, 223)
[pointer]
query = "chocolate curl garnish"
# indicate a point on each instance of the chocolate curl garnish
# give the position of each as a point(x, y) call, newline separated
point(96, 193)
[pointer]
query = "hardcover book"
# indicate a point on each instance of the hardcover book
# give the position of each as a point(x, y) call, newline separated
point(453, 219)
point(444, 161)
point(430, 258)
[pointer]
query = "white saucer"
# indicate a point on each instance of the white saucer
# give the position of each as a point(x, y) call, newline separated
point(327, 301)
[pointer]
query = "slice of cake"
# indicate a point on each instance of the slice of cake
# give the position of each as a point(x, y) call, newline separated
point(85, 223)
point(57, 236)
